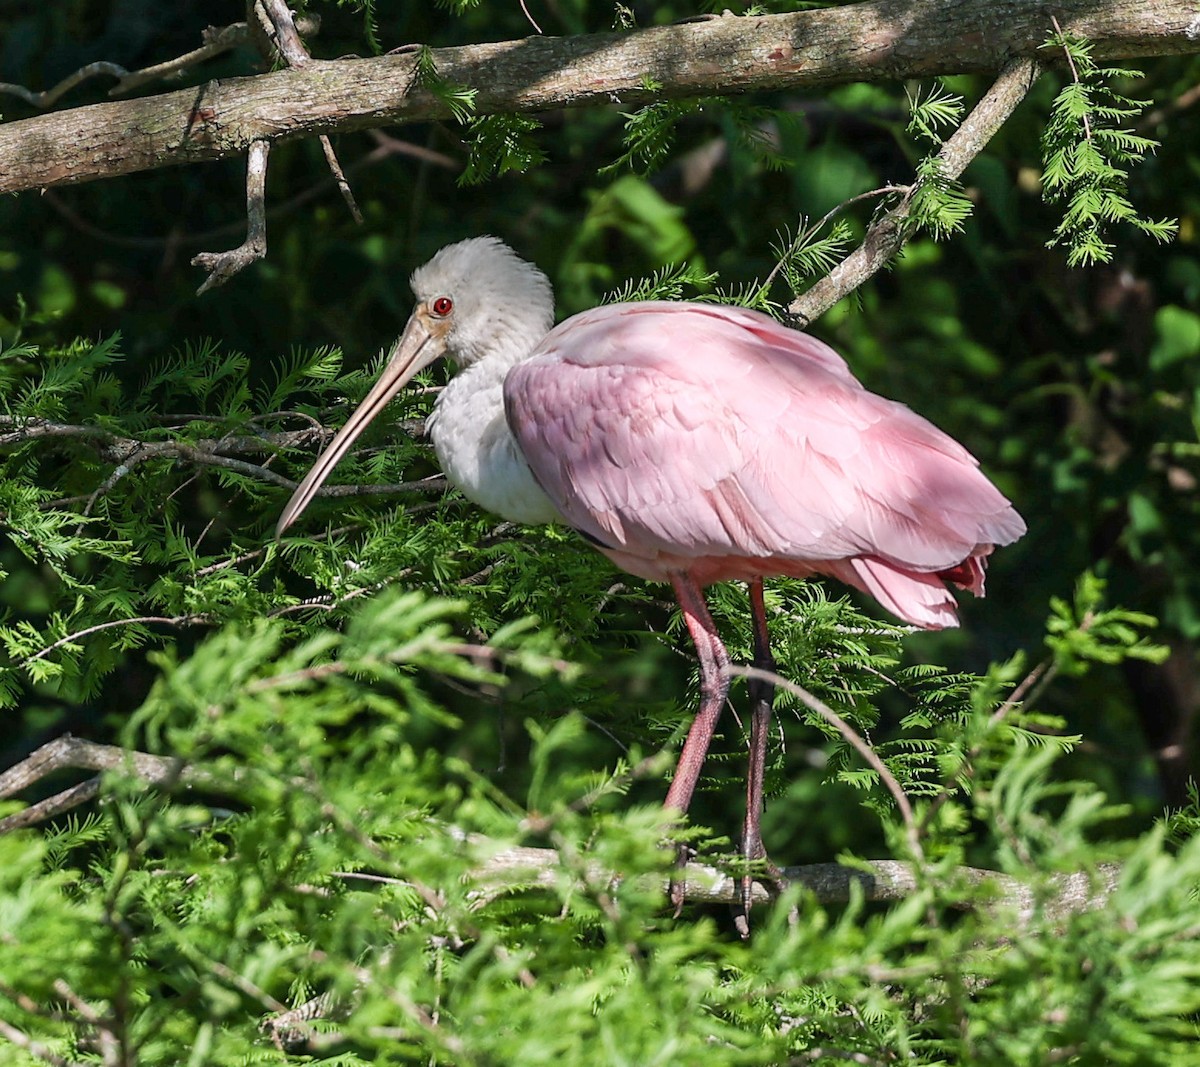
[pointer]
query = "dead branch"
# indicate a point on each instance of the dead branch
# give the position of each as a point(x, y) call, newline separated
point(216, 41)
point(275, 21)
point(870, 41)
point(278, 35)
point(222, 266)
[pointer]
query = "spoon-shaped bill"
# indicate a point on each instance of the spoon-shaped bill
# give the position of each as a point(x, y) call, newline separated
point(415, 350)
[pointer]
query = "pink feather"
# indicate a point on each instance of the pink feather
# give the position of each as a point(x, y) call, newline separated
point(708, 440)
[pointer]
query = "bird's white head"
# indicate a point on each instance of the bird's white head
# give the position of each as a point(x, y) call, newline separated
point(481, 297)
point(475, 299)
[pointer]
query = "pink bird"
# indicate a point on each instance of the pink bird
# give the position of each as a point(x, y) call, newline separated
point(691, 444)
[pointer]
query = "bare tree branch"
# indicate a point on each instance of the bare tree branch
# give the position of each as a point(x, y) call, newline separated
point(47, 97)
point(879, 39)
point(222, 266)
point(280, 37)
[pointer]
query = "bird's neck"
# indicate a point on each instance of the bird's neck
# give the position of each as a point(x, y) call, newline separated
point(475, 447)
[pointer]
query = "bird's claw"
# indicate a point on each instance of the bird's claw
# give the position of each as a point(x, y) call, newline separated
point(767, 874)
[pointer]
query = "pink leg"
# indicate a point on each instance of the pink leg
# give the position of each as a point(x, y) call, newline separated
point(714, 686)
point(762, 697)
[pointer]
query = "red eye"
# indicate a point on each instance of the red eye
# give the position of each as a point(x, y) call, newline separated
point(442, 306)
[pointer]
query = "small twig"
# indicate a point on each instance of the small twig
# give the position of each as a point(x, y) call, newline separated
point(216, 41)
point(530, 18)
point(1087, 126)
point(283, 37)
point(335, 168)
point(814, 703)
point(887, 234)
point(386, 148)
point(222, 266)
point(819, 225)
point(174, 620)
point(48, 96)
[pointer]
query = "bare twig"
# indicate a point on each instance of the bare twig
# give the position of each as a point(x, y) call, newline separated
point(144, 620)
point(222, 266)
point(127, 452)
point(216, 41)
point(339, 177)
point(871, 757)
point(283, 39)
point(529, 18)
point(47, 97)
point(888, 233)
point(385, 148)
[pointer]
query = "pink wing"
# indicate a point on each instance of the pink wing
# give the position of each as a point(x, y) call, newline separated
point(711, 439)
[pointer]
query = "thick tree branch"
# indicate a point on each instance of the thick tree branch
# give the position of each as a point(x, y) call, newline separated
point(511, 867)
point(878, 40)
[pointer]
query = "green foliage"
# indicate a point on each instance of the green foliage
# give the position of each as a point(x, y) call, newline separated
point(650, 131)
point(929, 113)
point(668, 283)
point(500, 144)
point(1087, 157)
point(459, 99)
point(938, 204)
point(317, 845)
point(1082, 632)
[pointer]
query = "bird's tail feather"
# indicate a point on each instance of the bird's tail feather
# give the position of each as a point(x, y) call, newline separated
point(920, 598)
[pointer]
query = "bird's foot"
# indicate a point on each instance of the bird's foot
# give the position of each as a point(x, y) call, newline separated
point(759, 868)
point(677, 888)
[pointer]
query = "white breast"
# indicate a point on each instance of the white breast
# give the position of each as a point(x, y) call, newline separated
point(477, 450)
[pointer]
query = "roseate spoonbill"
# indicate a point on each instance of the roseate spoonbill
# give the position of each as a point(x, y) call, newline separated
point(691, 444)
